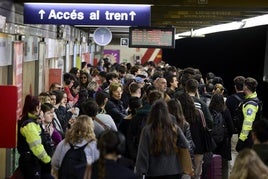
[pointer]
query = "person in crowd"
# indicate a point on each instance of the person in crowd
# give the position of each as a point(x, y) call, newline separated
point(111, 77)
point(206, 96)
point(102, 122)
point(128, 65)
point(236, 98)
point(145, 92)
point(47, 125)
point(52, 98)
point(134, 104)
point(94, 72)
point(217, 107)
point(114, 106)
point(191, 87)
point(81, 133)
point(34, 161)
point(111, 163)
point(84, 66)
point(100, 65)
point(68, 80)
point(44, 97)
point(102, 98)
point(135, 90)
point(161, 85)
point(184, 75)
point(151, 66)
point(134, 70)
point(92, 88)
point(74, 94)
point(193, 117)
point(249, 109)
point(209, 77)
point(140, 81)
point(218, 89)
point(175, 108)
point(217, 79)
point(232, 103)
point(126, 92)
point(102, 79)
point(84, 79)
point(75, 72)
point(248, 165)
point(56, 122)
point(157, 153)
point(172, 84)
point(122, 71)
point(260, 139)
point(55, 86)
point(83, 96)
point(107, 66)
point(170, 70)
point(63, 114)
point(138, 121)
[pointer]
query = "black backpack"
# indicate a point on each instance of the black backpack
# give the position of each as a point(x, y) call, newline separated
point(219, 127)
point(74, 163)
point(238, 117)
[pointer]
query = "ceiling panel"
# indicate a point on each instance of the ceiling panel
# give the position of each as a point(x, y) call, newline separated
point(185, 15)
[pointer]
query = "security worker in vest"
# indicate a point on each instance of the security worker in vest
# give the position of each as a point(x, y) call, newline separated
point(34, 162)
point(250, 108)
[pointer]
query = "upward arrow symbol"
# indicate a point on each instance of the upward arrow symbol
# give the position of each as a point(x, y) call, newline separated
point(41, 12)
point(132, 14)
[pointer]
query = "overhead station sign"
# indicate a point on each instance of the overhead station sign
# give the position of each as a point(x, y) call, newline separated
point(87, 14)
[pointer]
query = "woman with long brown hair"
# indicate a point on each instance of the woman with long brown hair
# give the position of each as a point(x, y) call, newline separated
point(160, 138)
point(193, 117)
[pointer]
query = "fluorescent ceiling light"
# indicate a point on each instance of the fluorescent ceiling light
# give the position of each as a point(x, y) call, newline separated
point(245, 23)
point(256, 21)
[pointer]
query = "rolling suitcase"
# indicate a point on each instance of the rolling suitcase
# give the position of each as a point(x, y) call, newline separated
point(214, 170)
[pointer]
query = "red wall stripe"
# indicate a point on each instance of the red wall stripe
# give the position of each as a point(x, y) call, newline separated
point(147, 55)
point(158, 57)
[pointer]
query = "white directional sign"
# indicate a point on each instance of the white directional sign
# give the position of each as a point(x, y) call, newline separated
point(87, 14)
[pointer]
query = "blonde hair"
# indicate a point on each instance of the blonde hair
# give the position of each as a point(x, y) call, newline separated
point(93, 85)
point(218, 89)
point(248, 165)
point(44, 97)
point(82, 129)
point(113, 87)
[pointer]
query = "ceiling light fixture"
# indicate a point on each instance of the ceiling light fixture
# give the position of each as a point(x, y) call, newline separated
point(245, 23)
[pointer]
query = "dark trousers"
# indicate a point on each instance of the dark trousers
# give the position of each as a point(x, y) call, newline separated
point(30, 166)
point(32, 169)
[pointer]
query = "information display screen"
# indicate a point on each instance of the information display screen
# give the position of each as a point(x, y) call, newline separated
point(152, 37)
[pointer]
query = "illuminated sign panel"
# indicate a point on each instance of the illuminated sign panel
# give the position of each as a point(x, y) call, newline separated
point(87, 14)
point(152, 37)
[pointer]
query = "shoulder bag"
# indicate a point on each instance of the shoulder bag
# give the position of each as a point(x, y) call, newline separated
point(209, 142)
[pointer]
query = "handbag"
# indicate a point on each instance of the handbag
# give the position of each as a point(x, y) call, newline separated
point(185, 161)
point(209, 142)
